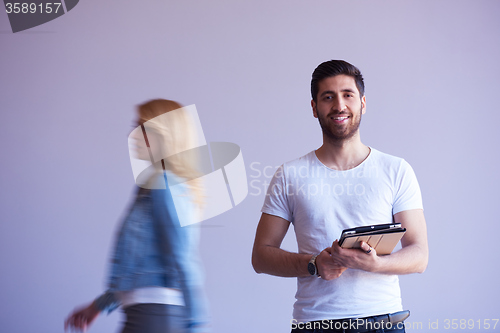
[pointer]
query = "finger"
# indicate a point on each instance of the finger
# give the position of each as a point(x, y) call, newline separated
point(365, 247)
point(80, 323)
point(69, 322)
point(333, 274)
point(327, 277)
point(83, 324)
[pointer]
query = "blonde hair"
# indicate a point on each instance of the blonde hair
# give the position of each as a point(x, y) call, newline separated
point(176, 136)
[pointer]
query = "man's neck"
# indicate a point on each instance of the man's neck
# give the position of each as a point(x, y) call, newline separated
point(342, 155)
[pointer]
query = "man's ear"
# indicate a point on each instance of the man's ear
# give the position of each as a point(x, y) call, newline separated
point(363, 105)
point(313, 105)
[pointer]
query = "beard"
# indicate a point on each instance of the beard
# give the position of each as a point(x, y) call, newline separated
point(339, 133)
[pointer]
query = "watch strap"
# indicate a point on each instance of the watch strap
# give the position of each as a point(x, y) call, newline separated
point(311, 266)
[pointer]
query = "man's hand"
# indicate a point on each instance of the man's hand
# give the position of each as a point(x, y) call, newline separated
point(411, 258)
point(364, 258)
point(328, 269)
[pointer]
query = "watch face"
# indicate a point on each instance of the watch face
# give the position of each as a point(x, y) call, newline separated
point(311, 268)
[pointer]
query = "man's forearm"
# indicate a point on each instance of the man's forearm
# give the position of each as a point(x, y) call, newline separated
point(408, 260)
point(275, 261)
point(414, 255)
point(412, 258)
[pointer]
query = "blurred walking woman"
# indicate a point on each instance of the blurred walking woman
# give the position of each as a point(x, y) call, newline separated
point(155, 272)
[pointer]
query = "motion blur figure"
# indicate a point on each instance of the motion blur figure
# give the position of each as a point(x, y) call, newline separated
point(155, 273)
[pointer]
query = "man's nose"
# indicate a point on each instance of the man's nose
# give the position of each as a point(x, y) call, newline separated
point(339, 104)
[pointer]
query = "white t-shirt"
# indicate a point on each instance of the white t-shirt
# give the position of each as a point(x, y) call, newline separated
point(153, 294)
point(321, 202)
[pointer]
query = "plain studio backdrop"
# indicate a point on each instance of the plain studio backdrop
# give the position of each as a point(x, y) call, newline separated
point(67, 99)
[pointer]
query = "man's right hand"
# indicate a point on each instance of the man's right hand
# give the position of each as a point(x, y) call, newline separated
point(327, 268)
point(269, 258)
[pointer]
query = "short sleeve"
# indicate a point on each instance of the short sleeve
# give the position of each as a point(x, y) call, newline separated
point(276, 202)
point(408, 195)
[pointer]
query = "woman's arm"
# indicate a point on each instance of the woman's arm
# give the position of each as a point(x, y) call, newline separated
point(82, 317)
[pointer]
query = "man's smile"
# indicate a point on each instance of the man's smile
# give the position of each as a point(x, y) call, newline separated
point(339, 119)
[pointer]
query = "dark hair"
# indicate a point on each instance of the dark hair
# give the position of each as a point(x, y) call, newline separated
point(334, 68)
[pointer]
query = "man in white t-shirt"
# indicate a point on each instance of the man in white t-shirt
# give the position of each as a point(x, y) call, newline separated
point(343, 184)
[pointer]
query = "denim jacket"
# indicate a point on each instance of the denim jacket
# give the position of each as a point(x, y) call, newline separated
point(152, 249)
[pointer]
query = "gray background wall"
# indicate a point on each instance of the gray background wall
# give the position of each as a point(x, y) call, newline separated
point(67, 96)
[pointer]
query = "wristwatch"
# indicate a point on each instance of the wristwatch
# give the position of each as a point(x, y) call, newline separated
point(311, 266)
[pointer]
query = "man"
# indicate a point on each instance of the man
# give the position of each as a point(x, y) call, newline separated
point(343, 184)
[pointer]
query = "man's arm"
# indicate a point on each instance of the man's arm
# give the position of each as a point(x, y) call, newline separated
point(268, 257)
point(412, 258)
